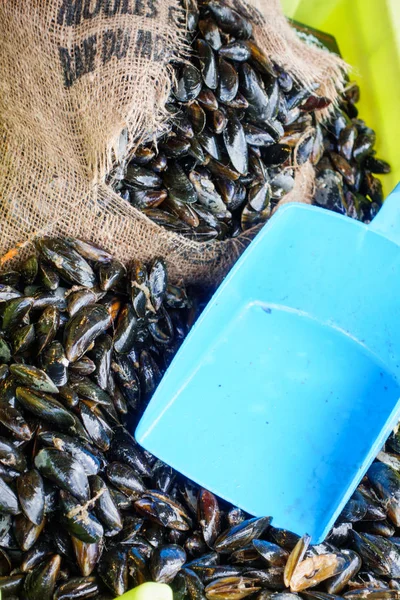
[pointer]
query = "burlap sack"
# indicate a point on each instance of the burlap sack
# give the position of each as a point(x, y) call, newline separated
point(74, 74)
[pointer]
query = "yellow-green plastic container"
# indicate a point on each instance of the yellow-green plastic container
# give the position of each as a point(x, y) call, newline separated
point(368, 35)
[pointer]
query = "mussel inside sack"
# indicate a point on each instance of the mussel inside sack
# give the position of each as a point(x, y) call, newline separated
point(240, 128)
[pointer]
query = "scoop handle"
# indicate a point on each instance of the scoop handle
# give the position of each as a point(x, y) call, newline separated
point(387, 221)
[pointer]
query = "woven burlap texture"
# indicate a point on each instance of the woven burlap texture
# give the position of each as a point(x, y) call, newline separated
point(74, 74)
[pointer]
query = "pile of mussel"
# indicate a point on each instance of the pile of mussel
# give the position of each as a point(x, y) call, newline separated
point(240, 126)
point(85, 512)
point(345, 181)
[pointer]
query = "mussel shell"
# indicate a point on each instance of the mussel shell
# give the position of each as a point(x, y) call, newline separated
point(26, 533)
point(66, 261)
point(241, 535)
point(140, 177)
point(236, 145)
point(11, 456)
point(41, 581)
point(208, 63)
point(77, 587)
point(113, 570)
point(32, 377)
point(80, 523)
point(80, 298)
point(83, 328)
point(45, 407)
point(166, 562)
point(65, 471)
point(96, 427)
point(87, 554)
point(90, 463)
point(48, 277)
point(275, 155)
point(178, 184)
point(8, 500)
point(211, 33)
point(229, 20)
point(15, 311)
point(101, 355)
point(31, 496)
point(7, 292)
point(13, 420)
point(126, 450)
point(47, 327)
point(228, 81)
point(209, 516)
point(189, 84)
point(127, 379)
point(231, 587)
point(106, 508)
point(125, 479)
point(89, 250)
point(11, 584)
point(197, 116)
point(386, 481)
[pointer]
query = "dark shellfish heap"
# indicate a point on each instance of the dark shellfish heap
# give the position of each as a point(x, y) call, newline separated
point(345, 182)
point(239, 126)
point(87, 513)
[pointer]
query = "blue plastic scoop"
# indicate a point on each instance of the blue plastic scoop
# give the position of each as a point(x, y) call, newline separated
point(289, 382)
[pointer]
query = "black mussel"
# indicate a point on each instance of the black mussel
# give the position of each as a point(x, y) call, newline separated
point(209, 516)
point(228, 81)
point(46, 407)
point(386, 481)
point(95, 424)
point(13, 420)
point(87, 554)
point(29, 269)
point(26, 533)
point(231, 587)
point(113, 569)
point(166, 562)
point(124, 478)
point(77, 587)
point(80, 523)
point(89, 461)
point(8, 500)
point(140, 177)
point(55, 363)
point(127, 379)
point(230, 20)
point(66, 261)
point(126, 450)
point(89, 250)
point(31, 496)
point(178, 184)
point(15, 312)
point(11, 455)
point(208, 63)
point(197, 116)
point(236, 145)
point(241, 535)
point(41, 581)
point(47, 327)
point(82, 329)
point(189, 84)
point(106, 509)
point(64, 470)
